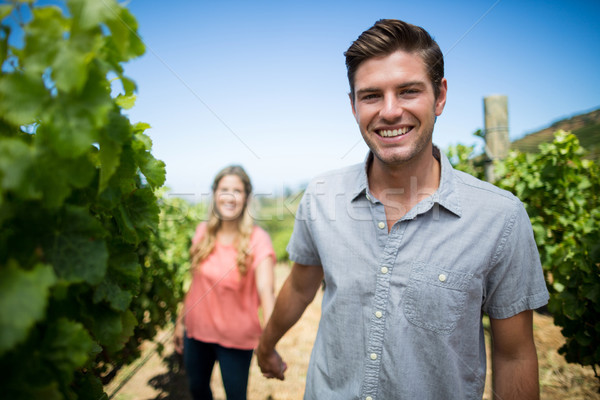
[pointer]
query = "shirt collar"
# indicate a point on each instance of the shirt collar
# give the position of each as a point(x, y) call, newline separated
point(447, 194)
point(361, 187)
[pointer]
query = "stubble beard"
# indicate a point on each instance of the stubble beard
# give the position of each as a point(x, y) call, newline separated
point(405, 156)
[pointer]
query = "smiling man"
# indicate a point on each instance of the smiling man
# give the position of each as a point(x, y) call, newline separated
point(412, 252)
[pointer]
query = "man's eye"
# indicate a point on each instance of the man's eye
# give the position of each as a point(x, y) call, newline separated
point(409, 92)
point(370, 96)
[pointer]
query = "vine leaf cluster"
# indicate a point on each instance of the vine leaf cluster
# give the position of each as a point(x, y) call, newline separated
point(78, 204)
point(561, 192)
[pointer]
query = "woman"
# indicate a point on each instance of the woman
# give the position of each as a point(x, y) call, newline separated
point(232, 266)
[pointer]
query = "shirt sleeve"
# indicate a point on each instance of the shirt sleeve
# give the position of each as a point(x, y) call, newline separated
point(302, 248)
point(261, 247)
point(516, 281)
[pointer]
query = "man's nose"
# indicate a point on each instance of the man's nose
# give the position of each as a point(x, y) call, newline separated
point(391, 109)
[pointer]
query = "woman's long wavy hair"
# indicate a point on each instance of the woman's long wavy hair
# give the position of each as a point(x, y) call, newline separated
point(202, 249)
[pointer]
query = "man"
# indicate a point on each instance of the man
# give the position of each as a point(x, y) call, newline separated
point(412, 252)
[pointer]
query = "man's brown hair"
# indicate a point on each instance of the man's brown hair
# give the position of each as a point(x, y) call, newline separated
point(390, 35)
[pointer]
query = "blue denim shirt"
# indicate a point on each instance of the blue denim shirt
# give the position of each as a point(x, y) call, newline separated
point(401, 311)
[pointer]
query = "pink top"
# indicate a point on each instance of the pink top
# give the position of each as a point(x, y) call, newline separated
point(221, 305)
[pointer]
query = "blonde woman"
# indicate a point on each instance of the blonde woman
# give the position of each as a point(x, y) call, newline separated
point(232, 267)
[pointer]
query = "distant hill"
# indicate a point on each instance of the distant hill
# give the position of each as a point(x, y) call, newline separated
point(585, 126)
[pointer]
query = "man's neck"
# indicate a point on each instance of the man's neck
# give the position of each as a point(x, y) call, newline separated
point(400, 187)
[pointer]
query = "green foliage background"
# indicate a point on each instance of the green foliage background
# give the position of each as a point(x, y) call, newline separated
point(81, 282)
point(561, 192)
point(277, 216)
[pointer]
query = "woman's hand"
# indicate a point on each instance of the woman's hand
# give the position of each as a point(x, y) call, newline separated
point(178, 336)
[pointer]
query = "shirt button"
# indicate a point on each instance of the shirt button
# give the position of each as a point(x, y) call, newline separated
point(442, 278)
point(373, 356)
point(381, 225)
point(384, 270)
point(368, 398)
point(378, 314)
point(368, 197)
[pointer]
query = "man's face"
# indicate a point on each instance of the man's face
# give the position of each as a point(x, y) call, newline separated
point(395, 107)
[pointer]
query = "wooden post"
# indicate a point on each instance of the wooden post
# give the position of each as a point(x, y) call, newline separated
point(496, 131)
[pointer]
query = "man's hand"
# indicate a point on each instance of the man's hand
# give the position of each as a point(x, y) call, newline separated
point(271, 364)
point(295, 295)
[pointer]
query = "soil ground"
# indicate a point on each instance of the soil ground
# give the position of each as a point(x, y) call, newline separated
point(157, 377)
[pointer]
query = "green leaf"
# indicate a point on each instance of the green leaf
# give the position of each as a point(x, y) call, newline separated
point(48, 392)
point(153, 169)
point(117, 132)
point(44, 37)
point(23, 301)
point(583, 339)
point(17, 162)
point(140, 127)
point(124, 35)
point(70, 68)
point(110, 292)
point(138, 215)
point(88, 387)
point(124, 179)
point(112, 329)
point(67, 346)
point(22, 97)
point(126, 101)
point(141, 141)
point(125, 266)
point(75, 60)
point(128, 85)
point(592, 292)
point(122, 280)
point(70, 132)
point(76, 247)
point(91, 14)
point(110, 159)
point(56, 177)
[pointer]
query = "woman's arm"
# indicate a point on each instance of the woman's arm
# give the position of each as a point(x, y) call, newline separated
point(265, 284)
point(179, 332)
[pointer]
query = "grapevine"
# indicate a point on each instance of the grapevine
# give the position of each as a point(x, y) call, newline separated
point(77, 201)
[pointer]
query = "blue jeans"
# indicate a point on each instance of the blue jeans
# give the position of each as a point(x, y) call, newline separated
point(199, 359)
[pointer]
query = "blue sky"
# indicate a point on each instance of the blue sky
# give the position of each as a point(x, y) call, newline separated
point(263, 83)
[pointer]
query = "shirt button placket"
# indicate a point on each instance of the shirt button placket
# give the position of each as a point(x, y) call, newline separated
point(390, 242)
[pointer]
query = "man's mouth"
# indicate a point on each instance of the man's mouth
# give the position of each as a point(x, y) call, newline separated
point(393, 132)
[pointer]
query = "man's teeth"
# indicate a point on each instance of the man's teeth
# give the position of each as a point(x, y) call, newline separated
point(394, 132)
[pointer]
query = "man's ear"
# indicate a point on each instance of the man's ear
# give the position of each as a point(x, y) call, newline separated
point(440, 102)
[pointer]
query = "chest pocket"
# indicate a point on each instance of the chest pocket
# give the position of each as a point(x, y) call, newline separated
point(435, 297)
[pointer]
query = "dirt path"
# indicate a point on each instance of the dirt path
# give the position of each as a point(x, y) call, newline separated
point(162, 378)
